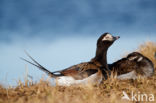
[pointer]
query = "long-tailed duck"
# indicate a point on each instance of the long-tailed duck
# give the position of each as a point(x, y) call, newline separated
point(86, 72)
point(133, 66)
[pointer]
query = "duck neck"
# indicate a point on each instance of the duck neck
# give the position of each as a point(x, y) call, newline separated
point(101, 56)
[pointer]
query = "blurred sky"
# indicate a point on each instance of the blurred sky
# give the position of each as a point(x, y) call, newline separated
point(61, 33)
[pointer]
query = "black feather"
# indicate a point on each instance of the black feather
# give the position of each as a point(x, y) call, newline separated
point(39, 66)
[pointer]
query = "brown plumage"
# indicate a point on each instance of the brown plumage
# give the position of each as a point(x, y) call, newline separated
point(135, 63)
point(82, 70)
point(85, 69)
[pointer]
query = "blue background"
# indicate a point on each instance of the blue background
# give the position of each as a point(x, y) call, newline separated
point(61, 33)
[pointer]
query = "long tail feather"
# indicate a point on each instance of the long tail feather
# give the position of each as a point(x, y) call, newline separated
point(29, 62)
point(39, 66)
point(35, 61)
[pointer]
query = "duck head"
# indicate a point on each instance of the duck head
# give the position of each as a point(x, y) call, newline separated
point(106, 40)
point(103, 43)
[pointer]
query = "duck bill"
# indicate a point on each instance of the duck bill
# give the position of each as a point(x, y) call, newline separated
point(116, 37)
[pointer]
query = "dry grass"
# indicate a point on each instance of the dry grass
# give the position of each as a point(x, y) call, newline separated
point(148, 49)
point(108, 92)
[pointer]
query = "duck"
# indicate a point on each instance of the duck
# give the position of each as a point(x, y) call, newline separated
point(91, 72)
point(133, 66)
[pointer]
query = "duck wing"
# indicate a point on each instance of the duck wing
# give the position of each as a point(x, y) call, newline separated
point(80, 71)
point(123, 66)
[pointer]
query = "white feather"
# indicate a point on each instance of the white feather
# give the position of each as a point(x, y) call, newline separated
point(130, 75)
point(140, 59)
point(108, 37)
point(132, 58)
point(68, 80)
